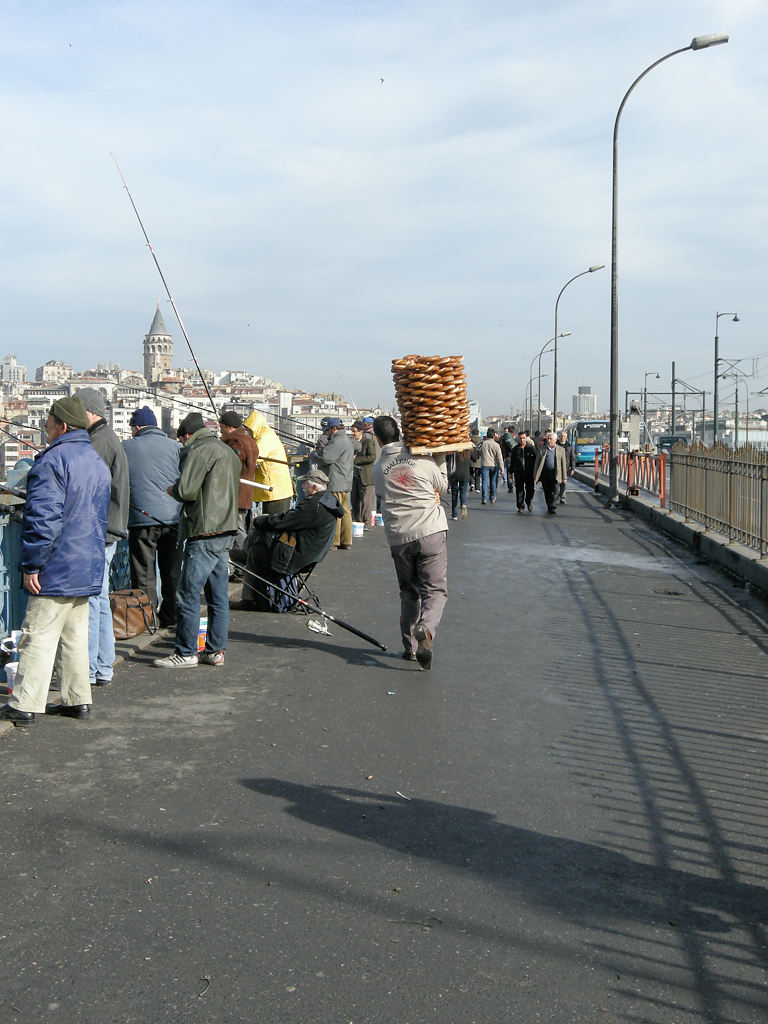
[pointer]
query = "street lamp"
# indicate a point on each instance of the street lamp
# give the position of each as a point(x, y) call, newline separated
point(698, 43)
point(590, 270)
point(563, 334)
point(717, 370)
point(645, 400)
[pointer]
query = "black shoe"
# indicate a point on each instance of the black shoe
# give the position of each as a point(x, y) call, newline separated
point(69, 710)
point(242, 606)
point(424, 648)
point(101, 682)
point(552, 511)
point(9, 714)
point(408, 656)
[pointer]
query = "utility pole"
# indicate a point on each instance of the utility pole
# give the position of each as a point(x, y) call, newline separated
point(672, 431)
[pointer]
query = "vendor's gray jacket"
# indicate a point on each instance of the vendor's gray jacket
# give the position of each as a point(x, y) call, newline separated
point(153, 463)
point(105, 441)
point(409, 487)
point(337, 459)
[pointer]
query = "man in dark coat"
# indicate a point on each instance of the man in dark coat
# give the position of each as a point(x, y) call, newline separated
point(62, 564)
point(281, 545)
point(570, 462)
point(522, 463)
point(101, 637)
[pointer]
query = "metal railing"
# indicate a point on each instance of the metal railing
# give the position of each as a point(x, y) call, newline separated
point(724, 489)
point(639, 471)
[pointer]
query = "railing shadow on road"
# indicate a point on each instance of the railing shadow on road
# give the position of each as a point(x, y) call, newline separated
point(687, 799)
point(620, 898)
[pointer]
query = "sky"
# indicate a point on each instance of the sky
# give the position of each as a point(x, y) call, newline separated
point(331, 184)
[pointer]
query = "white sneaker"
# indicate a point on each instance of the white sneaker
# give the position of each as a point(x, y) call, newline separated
point(176, 660)
point(211, 657)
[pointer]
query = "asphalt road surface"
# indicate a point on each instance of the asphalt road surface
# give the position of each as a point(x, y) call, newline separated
point(564, 821)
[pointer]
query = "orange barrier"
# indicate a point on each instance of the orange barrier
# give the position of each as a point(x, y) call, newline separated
point(639, 471)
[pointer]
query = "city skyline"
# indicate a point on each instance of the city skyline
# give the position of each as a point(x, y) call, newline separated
point(329, 186)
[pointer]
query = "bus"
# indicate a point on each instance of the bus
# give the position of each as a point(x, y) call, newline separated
point(588, 437)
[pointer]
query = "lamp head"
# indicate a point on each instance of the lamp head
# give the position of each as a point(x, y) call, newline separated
point(736, 318)
point(564, 334)
point(702, 42)
point(597, 266)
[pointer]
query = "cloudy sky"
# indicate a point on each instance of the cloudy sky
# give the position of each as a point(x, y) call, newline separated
point(328, 184)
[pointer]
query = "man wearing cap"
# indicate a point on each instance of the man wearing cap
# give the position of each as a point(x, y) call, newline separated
point(209, 477)
point(283, 544)
point(363, 497)
point(337, 459)
point(62, 564)
point(153, 519)
point(101, 636)
point(241, 441)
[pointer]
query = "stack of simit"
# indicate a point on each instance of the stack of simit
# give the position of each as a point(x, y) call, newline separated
point(431, 394)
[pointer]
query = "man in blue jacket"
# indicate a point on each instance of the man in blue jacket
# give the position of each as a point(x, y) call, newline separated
point(153, 522)
point(62, 562)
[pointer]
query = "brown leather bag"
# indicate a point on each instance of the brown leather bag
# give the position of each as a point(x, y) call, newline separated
point(132, 613)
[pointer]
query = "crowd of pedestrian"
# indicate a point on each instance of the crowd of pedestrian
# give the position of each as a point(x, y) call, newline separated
point(185, 506)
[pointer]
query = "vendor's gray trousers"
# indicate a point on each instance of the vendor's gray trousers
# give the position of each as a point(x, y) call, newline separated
point(421, 567)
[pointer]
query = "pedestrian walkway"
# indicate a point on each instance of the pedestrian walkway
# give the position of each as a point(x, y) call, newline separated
point(564, 821)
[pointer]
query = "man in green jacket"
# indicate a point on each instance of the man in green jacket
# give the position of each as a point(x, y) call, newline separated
point(209, 475)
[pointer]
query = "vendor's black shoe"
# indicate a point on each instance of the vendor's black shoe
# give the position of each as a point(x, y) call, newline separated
point(9, 714)
point(424, 646)
point(69, 710)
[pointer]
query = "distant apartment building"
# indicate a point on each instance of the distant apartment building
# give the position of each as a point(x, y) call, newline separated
point(585, 403)
point(53, 372)
point(12, 372)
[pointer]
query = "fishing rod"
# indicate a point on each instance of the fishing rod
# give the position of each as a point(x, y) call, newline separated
point(167, 289)
point(20, 440)
point(315, 608)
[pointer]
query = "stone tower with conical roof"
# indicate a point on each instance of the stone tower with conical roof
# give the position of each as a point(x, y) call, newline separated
point(158, 350)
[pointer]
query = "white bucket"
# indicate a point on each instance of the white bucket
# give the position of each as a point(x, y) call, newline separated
point(358, 529)
point(10, 674)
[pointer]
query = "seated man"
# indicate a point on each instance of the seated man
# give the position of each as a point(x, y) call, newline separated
point(280, 545)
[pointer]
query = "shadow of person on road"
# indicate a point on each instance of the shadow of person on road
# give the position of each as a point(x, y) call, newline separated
point(582, 880)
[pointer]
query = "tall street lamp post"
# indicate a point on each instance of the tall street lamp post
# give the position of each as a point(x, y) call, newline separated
point(698, 43)
point(716, 390)
point(590, 270)
point(645, 401)
point(563, 334)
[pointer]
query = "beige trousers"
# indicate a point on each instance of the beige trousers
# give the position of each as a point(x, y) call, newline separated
point(343, 534)
point(52, 623)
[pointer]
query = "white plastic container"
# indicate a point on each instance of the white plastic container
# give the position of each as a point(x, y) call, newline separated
point(10, 674)
point(358, 529)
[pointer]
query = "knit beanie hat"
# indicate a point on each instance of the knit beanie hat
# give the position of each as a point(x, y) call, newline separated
point(93, 401)
point(70, 411)
point(191, 423)
point(143, 417)
point(231, 419)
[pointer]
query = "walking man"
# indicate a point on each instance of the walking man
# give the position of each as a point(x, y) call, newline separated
point(415, 526)
point(550, 469)
point(491, 465)
point(562, 440)
point(209, 475)
point(522, 463)
point(62, 564)
point(153, 519)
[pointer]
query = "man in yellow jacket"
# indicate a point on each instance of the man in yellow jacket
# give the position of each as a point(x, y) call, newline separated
point(272, 468)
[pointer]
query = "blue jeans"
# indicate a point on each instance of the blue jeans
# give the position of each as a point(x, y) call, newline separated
point(490, 476)
point(101, 633)
point(459, 490)
point(204, 565)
